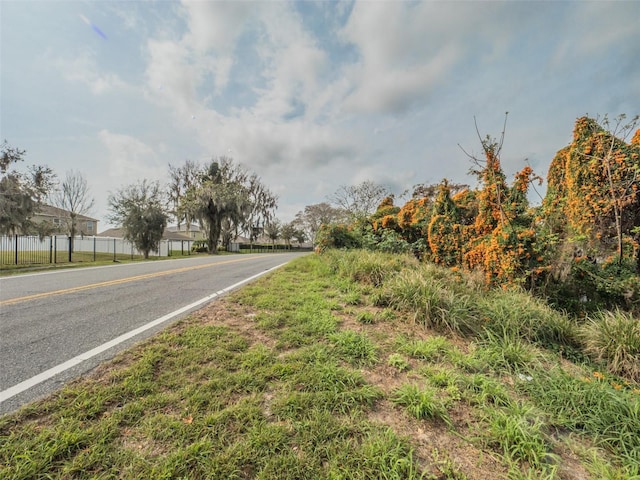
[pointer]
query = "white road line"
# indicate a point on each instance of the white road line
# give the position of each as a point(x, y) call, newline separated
point(47, 374)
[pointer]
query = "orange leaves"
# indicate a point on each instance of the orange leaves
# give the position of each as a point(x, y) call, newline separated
point(592, 184)
point(389, 221)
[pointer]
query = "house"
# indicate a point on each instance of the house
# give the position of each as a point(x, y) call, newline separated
point(59, 219)
point(166, 235)
point(194, 233)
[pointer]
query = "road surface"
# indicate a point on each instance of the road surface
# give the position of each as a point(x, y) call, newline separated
point(57, 325)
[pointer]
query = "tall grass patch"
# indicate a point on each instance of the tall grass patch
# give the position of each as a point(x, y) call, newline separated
point(429, 301)
point(613, 337)
point(518, 314)
point(364, 266)
point(506, 352)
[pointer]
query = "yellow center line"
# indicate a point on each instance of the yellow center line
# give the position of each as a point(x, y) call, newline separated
point(65, 291)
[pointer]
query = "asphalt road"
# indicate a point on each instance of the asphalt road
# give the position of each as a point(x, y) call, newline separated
point(57, 325)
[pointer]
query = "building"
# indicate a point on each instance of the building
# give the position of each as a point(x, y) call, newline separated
point(194, 233)
point(59, 219)
point(166, 235)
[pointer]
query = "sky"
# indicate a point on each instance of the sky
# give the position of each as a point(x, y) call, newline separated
point(310, 96)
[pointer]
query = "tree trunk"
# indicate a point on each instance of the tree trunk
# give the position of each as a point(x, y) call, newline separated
point(215, 228)
point(72, 230)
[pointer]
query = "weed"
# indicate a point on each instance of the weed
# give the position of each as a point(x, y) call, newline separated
point(421, 403)
point(446, 467)
point(398, 362)
point(352, 297)
point(380, 455)
point(354, 347)
point(506, 352)
point(517, 431)
point(386, 315)
point(482, 390)
point(519, 315)
point(366, 317)
point(433, 349)
point(429, 301)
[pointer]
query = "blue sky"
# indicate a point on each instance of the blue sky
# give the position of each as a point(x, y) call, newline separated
point(309, 95)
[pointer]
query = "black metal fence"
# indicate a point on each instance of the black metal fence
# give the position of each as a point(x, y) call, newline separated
point(33, 250)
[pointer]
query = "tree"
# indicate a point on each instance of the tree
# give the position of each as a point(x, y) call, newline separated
point(314, 216)
point(622, 172)
point(593, 189)
point(74, 197)
point(181, 179)
point(21, 194)
point(272, 230)
point(226, 197)
point(360, 200)
point(140, 210)
point(263, 203)
point(492, 196)
point(299, 235)
point(287, 232)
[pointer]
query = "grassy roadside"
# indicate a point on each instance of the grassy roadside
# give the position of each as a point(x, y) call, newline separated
point(346, 365)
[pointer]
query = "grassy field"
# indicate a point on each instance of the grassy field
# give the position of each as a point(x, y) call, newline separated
point(349, 365)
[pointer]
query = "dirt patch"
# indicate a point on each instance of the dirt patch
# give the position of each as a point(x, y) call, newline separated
point(239, 318)
point(436, 447)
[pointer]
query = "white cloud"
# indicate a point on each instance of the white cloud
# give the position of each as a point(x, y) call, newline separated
point(213, 30)
point(130, 159)
point(408, 49)
point(84, 69)
point(215, 26)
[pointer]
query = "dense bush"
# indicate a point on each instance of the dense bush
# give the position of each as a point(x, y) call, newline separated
point(580, 249)
point(337, 236)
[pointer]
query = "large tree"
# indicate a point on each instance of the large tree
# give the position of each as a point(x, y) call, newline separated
point(181, 179)
point(140, 210)
point(263, 203)
point(314, 216)
point(226, 198)
point(74, 197)
point(21, 193)
point(360, 200)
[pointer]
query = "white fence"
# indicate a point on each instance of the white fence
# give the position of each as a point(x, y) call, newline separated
point(23, 249)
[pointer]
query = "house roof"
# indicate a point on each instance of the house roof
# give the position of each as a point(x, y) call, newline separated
point(55, 212)
point(112, 232)
point(193, 228)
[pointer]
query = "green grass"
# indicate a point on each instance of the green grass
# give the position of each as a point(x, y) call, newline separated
point(517, 431)
point(421, 403)
point(614, 338)
point(323, 370)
